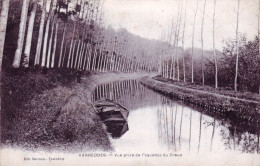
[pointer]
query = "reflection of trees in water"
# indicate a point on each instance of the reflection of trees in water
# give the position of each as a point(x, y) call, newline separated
point(129, 93)
point(172, 118)
point(232, 138)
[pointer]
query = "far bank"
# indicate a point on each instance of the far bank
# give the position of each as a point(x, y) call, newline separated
point(242, 109)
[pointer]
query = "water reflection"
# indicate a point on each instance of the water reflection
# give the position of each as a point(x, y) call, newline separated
point(116, 128)
point(157, 123)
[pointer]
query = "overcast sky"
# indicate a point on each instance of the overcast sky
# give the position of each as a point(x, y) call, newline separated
point(148, 18)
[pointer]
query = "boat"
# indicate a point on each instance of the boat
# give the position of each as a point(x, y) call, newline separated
point(113, 115)
point(109, 110)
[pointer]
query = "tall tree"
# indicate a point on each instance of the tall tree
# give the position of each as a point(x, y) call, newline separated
point(214, 49)
point(71, 44)
point(259, 37)
point(39, 42)
point(177, 41)
point(3, 22)
point(192, 50)
point(46, 35)
point(183, 39)
point(55, 45)
point(202, 44)
point(22, 27)
point(237, 46)
point(50, 42)
point(28, 43)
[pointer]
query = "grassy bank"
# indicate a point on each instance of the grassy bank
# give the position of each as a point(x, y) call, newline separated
point(242, 111)
point(221, 90)
point(50, 111)
point(45, 110)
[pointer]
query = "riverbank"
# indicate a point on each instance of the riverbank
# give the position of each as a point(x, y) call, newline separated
point(54, 114)
point(242, 111)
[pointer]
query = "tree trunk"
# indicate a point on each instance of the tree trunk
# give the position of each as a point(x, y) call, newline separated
point(50, 43)
point(22, 27)
point(259, 38)
point(71, 45)
point(82, 56)
point(192, 51)
point(3, 22)
point(77, 53)
point(214, 50)
point(64, 55)
point(62, 45)
point(237, 47)
point(183, 39)
point(28, 43)
point(55, 45)
point(202, 44)
point(39, 42)
point(46, 36)
point(177, 41)
point(73, 54)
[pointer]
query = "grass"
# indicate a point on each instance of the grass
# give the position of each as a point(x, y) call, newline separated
point(49, 111)
point(221, 90)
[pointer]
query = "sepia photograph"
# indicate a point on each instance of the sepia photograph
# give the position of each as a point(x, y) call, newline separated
point(130, 82)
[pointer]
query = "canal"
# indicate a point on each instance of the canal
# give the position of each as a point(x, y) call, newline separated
point(157, 123)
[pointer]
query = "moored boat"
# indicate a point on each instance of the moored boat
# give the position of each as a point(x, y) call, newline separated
point(109, 110)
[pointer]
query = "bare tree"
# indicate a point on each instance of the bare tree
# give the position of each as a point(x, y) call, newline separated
point(39, 42)
point(214, 49)
point(71, 44)
point(202, 46)
point(28, 43)
point(183, 39)
point(3, 22)
point(192, 50)
point(55, 45)
point(22, 27)
point(259, 36)
point(177, 41)
point(61, 57)
point(50, 42)
point(47, 33)
point(237, 46)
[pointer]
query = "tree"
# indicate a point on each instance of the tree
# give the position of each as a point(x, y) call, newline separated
point(192, 51)
point(3, 22)
point(22, 27)
point(28, 43)
point(45, 44)
point(237, 49)
point(177, 42)
point(214, 49)
point(183, 39)
point(259, 37)
point(55, 45)
point(202, 44)
point(39, 42)
point(248, 73)
point(50, 42)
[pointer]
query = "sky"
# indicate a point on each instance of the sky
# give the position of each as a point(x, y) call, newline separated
point(151, 18)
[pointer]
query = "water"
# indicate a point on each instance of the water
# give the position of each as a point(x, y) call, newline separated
point(159, 124)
